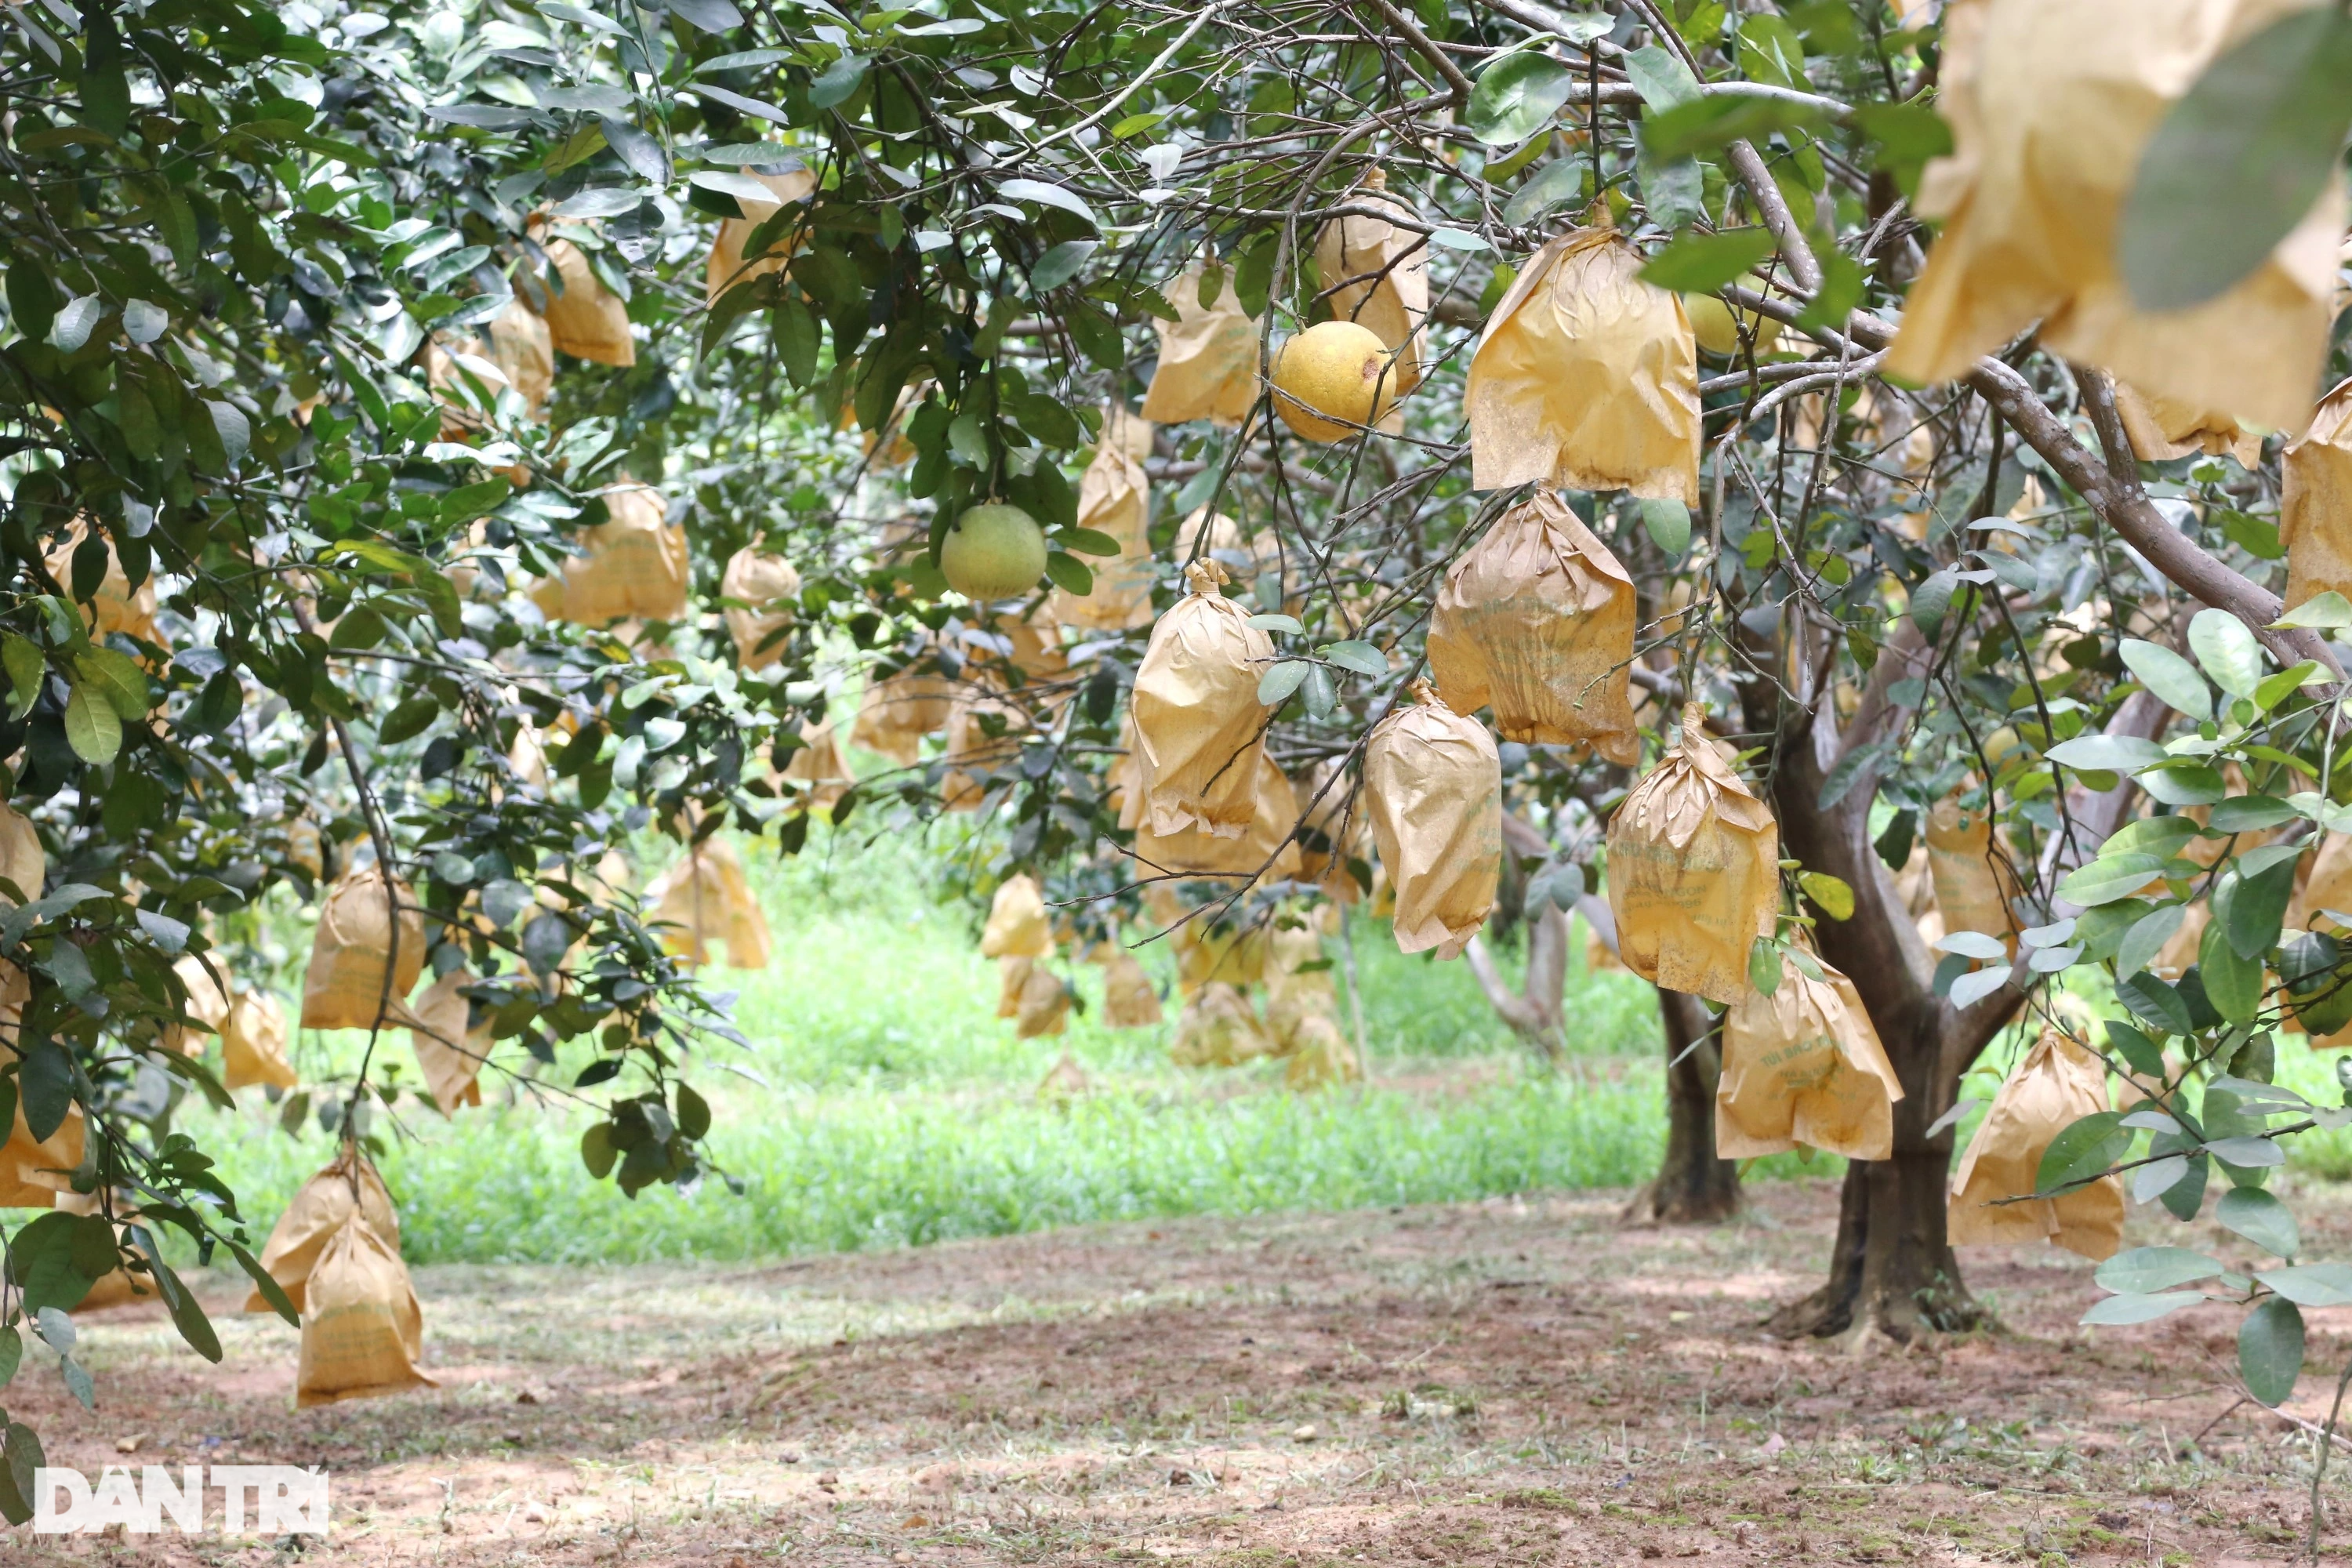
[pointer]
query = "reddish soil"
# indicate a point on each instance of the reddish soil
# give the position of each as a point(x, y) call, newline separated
point(1512, 1383)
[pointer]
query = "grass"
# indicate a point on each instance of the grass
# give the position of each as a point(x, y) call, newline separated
point(880, 1102)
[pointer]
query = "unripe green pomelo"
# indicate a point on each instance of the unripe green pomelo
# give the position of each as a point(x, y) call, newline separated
point(993, 552)
point(1338, 369)
point(1718, 331)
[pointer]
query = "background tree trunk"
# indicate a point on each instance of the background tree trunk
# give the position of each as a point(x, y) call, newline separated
point(1692, 1187)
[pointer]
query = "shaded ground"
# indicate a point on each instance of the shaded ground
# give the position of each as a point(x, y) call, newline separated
point(1513, 1383)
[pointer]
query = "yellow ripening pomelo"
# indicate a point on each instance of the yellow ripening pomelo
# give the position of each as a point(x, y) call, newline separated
point(993, 552)
point(1717, 331)
point(1999, 745)
point(1334, 369)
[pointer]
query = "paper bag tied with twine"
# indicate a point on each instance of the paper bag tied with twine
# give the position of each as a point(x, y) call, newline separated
point(2058, 1084)
point(348, 1184)
point(1970, 892)
point(726, 266)
point(1267, 847)
point(1804, 1066)
point(1017, 924)
point(1114, 498)
point(2052, 106)
point(34, 1170)
point(1042, 1008)
point(1434, 791)
point(1218, 1028)
point(1129, 999)
point(1375, 272)
point(585, 319)
point(1319, 1057)
point(759, 588)
point(253, 1042)
point(634, 566)
point(1208, 356)
point(822, 774)
point(1537, 620)
point(895, 713)
point(972, 755)
point(343, 985)
point(2316, 503)
point(1587, 378)
point(1199, 726)
point(22, 859)
point(450, 1046)
point(2163, 428)
point(362, 1332)
point(1011, 979)
point(115, 607)
point(524, 352)
point(1694, 870)
point(705, 899)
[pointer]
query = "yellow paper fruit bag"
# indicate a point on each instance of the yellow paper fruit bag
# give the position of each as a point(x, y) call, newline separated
point(115, 607)
point(2052, 103)
point(450, 1048)
point(635, 568)
point(705, 899)
point(1208, 356)
point(1587, 378)
point(362, 1332)
point(1537, 619)
point(2316, 503)
point(1115, 499)
point(1017, 924)
point(585, 319)
point(1199, 726)
point(895, 713)
point(348, 1185)
point(1043, 1008)
point(1434, 791)
point(1804, 1066)
point(22, 859)
point(1971, 893)
point(1218, 1028)
point(1375, 273)
point(726, 266)
point(758, 590)
point(1694, 870)
point(817, 766)
point(253, 1042)
point(1129, 999)
point(2057, 1084)
point(2162, 429)
point(1267, 847)
point(344, 987)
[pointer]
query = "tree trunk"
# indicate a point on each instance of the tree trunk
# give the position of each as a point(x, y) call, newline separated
point(1533, 1012)
point(1692, 1187)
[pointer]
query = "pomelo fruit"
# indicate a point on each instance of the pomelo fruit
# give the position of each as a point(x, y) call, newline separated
point(1332, 377)
point(1716, 329)
point(993, 552)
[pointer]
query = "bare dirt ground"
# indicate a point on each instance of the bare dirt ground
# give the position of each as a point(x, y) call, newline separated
point(1510, 1383)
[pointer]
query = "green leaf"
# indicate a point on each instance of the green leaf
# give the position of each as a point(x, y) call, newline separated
point(2233, 984)
point(1360, 657)
point(834, 85)
point(2112, 876)
point(264, 1281)
point(2330, 611)
point(1661, 78)
point(1932, 600)
point(1669, 525)
point(1069, 574)
point(410, 718)
point(1835, 899)
point(93, 729)
point(1516, 97)
point(2226, 648)
point(1719, 120)
point(1702, 263)
point(2270, 1350)
point(1275, 687)
point(2312, 1284)
point(2083, 1149)
point(2238, 162)
point(2258, 909)
point(26, 667)
point(2274, 690)
point(1764, 965)
point(2172, 679)
point(2146, 1268)
point(1556, 185)
point(117, 677)
point(2261, 1218)
point(19, 1463)
point(1907, 136)
point(2119, 1311)
point(693, 1112)
point(2136, 1048)
point(2249, 814)
point(1060, 264)
point(597, 1151)
point(2147, 939)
